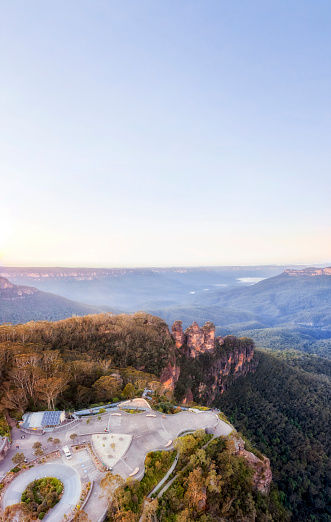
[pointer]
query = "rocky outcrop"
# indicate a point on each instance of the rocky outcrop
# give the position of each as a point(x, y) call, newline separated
point(4, 283)
point(198, 340)
point(178, 334)
point(9, 291)
point(232, 360)
point(170, 376)
point(262, 471)
point(228, 358)
point(238, 356)
point(195, 339)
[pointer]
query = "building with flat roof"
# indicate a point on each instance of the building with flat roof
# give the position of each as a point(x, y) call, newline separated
point(42, 419)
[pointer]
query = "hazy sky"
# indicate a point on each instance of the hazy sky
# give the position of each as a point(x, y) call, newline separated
point(140, 133)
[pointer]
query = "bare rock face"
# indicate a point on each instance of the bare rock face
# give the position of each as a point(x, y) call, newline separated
point(170, 376)
point(236, 363)
point(195, 339)
point(308, 272)
point(4, 283)
point(229, 358)
point(238, 356)
point(262, 471)
point(200, 340)
point(9, 291)
point(209, 335)
point(178, 334)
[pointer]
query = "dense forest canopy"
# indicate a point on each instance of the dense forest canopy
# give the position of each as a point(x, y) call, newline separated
point(284, 408)
point(281, 312)
point(77, 361)
point(210, 483)
point(138, 340)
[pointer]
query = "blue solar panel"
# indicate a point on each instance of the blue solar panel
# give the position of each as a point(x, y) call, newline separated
point(51, 418)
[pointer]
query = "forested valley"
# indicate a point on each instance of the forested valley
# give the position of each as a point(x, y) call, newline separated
point(283, 406)
point(284, 409)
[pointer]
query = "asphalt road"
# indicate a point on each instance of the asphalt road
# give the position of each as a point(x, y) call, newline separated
point(67, 475)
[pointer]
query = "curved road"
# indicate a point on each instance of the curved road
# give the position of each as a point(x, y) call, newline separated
point(67, 475)
point(157, 432)
point(150, 430)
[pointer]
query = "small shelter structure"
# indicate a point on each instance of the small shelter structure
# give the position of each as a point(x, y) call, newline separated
point(40, 420)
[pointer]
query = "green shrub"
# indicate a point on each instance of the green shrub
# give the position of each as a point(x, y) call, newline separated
point(41, 495)
point(4, 427)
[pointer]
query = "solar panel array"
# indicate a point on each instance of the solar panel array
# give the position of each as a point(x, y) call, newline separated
point(51, 418)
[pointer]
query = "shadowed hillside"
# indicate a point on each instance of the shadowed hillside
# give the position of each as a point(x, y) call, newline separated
point(291, 310)
point(20, 304)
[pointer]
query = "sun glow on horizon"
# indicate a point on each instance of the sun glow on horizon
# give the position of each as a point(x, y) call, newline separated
point(122, 147)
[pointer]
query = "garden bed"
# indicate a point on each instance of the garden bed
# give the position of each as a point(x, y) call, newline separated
point(41, 495)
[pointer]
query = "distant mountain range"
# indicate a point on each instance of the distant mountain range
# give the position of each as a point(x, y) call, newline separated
point(20, 304)
point(290, 310)
point(132, 289)
point(279, 307)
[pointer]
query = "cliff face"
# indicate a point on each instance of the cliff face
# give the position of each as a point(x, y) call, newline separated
point(178, 334)
point(204, 365)
point(170, 375)
point(200, 340)
point(9, 291)
point(309, 272)
point(262, 477)
point(231, 359)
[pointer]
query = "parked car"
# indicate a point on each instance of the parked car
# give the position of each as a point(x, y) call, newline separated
point(67, 453)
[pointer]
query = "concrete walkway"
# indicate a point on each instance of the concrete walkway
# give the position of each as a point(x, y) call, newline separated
point(149, 430)
point(155, 433)
point(219, 428)
point(165, 478)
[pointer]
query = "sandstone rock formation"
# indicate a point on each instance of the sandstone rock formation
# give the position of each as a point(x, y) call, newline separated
point(170, 376)
point(310, 272)
point(198, 340)
point(10, 291)
point(262, 471)
point(233, 362)
point(178, 334)
point(229, 358)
